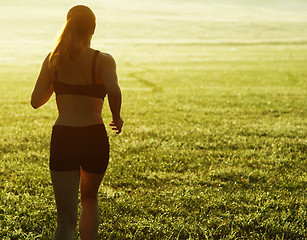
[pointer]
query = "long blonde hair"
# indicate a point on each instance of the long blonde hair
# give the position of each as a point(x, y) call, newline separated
point(77, 33)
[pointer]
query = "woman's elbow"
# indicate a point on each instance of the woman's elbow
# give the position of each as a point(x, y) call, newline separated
point(116, 92)
point(35, 104)
point(116, 95)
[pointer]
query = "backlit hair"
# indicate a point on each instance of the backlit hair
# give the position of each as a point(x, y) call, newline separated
point(77, 33)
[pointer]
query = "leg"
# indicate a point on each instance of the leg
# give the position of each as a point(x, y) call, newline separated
point(89, 219)
point(66, 187)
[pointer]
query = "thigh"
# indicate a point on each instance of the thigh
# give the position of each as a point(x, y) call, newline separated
point(90, 183)
point(64, 149)
point(95, 157)
point(66, 188)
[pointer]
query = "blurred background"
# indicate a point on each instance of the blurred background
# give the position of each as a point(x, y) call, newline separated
point(139, 29)
point(214, 103)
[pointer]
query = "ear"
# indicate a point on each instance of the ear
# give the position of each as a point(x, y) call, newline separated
point(94, 27)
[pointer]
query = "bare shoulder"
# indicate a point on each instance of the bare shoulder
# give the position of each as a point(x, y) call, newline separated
point(107, 61)
point(46, 66)
point(46, 60)
point(107, 70)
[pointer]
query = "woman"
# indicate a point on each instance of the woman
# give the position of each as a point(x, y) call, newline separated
point(79, 151)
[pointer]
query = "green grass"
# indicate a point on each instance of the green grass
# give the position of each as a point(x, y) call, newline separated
point(214, 144)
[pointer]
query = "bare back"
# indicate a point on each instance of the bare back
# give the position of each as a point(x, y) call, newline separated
point(79, 110)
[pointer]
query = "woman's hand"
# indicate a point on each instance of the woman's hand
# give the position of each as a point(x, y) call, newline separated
point(117, 125)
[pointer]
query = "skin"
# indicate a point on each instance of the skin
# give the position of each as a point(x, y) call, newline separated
point(77, 110)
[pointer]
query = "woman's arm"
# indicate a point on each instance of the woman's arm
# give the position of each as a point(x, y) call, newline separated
point(109, 76)
point(43, 88)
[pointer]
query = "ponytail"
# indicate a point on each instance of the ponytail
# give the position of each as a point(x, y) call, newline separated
point(77, 33)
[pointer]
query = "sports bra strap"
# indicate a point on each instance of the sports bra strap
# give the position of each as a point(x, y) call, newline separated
point(94, 66)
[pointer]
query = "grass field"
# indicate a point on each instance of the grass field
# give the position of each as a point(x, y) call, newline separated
point(215, 106)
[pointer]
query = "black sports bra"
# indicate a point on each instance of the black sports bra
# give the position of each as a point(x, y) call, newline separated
point(93, 90)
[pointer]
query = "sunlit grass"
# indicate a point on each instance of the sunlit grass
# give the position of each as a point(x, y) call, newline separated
point(214, 142)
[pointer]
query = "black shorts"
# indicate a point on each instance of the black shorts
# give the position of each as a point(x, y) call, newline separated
point(75, 147)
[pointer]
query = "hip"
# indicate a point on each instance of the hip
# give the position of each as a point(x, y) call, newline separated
point(79, 135)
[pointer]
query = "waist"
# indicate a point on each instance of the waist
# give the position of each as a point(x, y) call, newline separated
point(78, 133)
point(94, 126)
point(78, 121)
